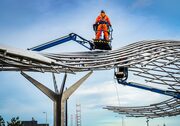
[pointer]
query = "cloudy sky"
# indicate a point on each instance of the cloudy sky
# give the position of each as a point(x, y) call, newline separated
point(27, 23)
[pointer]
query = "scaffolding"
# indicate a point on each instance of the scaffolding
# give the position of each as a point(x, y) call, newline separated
point(78, 114)
point(71, 120)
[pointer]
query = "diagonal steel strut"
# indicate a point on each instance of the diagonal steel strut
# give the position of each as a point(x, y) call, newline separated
point(59, 98)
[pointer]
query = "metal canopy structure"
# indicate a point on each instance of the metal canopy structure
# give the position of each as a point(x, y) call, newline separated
point(141, 57)
point(169, 107)
point(157, 62)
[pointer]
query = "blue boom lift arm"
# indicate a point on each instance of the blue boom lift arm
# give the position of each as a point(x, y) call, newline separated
point(152, 89)
point(72, 36)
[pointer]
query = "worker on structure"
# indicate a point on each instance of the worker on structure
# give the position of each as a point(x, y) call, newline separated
point(102, 24)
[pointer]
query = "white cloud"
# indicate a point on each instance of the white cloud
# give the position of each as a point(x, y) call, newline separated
point(105, 94)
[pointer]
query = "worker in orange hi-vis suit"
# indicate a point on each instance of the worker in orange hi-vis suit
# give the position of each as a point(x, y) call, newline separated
point(103, 23)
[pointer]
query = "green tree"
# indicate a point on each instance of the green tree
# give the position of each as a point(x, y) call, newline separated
point(2, 123)
point(14, 122)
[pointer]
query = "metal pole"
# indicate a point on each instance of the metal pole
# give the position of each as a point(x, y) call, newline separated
point(66, 112)
point(66, 120)
point(46, 117)
point(147, 121)
point(122, 121)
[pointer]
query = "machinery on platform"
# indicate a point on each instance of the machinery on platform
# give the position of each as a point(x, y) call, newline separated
point(72, 36)
point(90, 45)
point(121, 74)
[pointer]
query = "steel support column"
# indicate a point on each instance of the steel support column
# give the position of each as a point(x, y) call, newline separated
point(58, 97)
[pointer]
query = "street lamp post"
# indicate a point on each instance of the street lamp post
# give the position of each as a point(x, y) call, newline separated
point(122, 123)
point(46, 118)
point(147, 121)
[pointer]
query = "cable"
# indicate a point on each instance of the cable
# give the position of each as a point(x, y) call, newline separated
point(117, 93)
